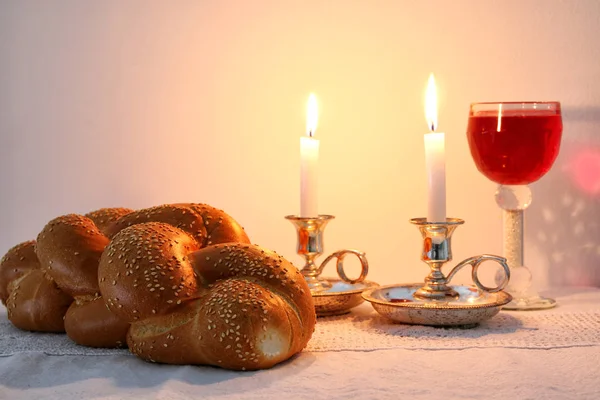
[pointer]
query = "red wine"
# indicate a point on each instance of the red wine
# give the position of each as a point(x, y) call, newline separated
point(517, 150)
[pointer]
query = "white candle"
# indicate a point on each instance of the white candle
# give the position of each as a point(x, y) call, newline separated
point(435, 160)
point(309, 158)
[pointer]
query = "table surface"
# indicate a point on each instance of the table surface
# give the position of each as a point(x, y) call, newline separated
point(503, 373)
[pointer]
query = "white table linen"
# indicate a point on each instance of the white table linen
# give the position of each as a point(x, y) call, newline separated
point(564, 372)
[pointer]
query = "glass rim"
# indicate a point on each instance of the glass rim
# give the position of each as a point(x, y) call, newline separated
point(557, 103)
point(529, 107)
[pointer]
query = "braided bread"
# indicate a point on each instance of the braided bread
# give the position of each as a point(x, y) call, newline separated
point(69, 248)
point(232, 305)
point(229, 304)
point(33, 301)
point(179, 283)
point(51, 285)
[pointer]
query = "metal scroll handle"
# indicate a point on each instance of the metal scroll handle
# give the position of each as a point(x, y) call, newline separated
point(340, 255)
point(475, 262)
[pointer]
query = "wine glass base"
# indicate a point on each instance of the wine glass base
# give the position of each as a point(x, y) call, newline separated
point(530, 303)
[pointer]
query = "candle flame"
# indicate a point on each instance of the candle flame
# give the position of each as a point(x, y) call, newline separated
point(312, 115)
point(431, 104)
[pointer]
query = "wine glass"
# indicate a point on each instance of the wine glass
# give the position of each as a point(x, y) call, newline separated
point(515, 144)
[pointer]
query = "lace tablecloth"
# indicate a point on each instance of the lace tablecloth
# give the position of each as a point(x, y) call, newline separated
point(545, 354)
point(530, 330)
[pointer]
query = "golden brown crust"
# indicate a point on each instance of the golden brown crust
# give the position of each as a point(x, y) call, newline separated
point(206, 224)
point(16, 262)
point(230, 304)
point(220, 227)
point(157, 340)
point(105, 217)
point(33, 300)
point(244, 307)
point(266, 267)
point(239, 325)
point(65, 260)
point(179, 216)
point(88, 322)
point(36, 303)
point(145, 270)
point(69, 248)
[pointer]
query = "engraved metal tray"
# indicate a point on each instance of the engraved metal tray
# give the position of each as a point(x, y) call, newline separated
point(472, 306)
point(340, 297)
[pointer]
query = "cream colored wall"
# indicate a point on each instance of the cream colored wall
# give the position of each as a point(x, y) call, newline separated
point(138, 103)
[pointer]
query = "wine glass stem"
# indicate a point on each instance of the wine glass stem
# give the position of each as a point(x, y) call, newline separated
point(519, 286)
point(513, 238)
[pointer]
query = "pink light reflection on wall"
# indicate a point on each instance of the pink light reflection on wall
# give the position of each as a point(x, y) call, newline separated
point(584, 168)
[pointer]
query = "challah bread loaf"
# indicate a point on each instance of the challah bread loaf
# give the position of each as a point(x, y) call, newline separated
point(206, 224)
point(232, 305)
point(145, 271)
point(33, 301)
point(267, 300)
point(184, 276)
point(264, 267)
point(37, 304)
point(69, 249)
point(52, 285)
point(220, 227)
point(16, 262)
point(89, 322)
point(105, 217)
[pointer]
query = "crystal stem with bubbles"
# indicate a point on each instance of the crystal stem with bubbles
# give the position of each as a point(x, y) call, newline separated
point(514, 200)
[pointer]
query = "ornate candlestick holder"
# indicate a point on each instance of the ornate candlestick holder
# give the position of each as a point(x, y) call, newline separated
point(332, 296)
point(436, 302)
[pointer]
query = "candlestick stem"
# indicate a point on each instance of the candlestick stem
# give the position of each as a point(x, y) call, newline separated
point(437, 250)
point(310, 246)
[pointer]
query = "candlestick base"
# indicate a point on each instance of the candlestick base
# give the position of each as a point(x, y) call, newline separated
point(331, 296)
point(436, 302)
